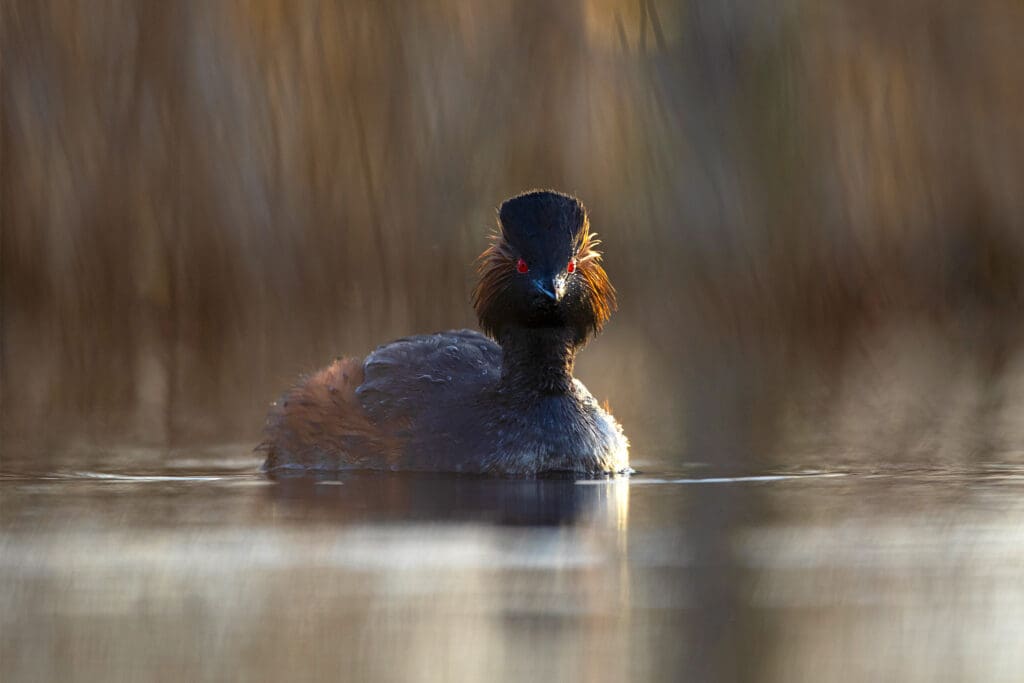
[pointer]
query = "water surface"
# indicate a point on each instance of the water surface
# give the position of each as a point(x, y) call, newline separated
point(198, 567)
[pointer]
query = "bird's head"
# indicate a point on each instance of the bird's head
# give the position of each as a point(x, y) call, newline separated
point(542, 269)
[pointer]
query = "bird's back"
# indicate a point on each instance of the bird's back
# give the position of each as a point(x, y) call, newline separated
point(410, 376)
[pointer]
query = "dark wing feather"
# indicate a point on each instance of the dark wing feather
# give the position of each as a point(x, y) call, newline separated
point(411, 377)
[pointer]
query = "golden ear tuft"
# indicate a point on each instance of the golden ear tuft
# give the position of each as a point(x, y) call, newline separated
point(601, 293)
point(495, 268)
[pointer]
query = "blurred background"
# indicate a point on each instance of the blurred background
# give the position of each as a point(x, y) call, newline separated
point(812, 211)
point(813, 215)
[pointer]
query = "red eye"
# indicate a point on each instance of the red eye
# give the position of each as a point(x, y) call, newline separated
point(521, 266)
point(572, 266)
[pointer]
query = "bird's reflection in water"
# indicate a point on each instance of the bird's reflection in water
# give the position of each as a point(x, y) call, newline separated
point(360, 496)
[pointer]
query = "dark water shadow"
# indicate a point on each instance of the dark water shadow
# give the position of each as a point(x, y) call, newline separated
point(553, 500)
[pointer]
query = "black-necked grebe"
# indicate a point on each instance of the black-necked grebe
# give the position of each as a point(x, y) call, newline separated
point(457, 401)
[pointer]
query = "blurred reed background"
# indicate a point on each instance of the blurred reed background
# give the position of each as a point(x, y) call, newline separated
point(812, 211)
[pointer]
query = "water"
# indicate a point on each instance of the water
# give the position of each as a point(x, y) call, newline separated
point(201, 568)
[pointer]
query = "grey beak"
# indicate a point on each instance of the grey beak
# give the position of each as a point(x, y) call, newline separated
point(550, 287)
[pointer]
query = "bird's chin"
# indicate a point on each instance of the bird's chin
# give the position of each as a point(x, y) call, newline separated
point(546, 316)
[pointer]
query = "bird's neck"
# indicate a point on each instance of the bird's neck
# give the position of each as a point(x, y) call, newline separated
point(537, 361)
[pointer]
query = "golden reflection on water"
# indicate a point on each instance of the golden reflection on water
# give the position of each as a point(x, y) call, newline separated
point(620, 494)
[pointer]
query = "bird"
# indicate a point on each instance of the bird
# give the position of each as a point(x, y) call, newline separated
point(498, 402)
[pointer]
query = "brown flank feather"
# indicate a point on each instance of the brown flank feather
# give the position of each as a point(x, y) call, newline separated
point(321, 416)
